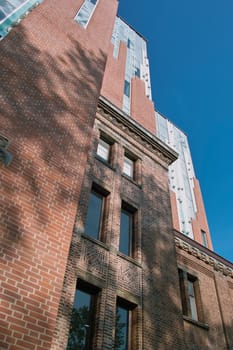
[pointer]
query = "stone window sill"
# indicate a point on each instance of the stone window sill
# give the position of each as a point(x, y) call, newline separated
point(196, 323)
point(105, 162)
point(131, 180)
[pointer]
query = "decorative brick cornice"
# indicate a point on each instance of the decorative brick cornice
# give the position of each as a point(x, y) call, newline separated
point(134, 129)
point(201, 255)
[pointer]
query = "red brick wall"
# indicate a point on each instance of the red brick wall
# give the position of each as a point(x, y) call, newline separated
point(201, 221)
point(215, 298)
point(142, 108)
point(51, 74)
point(114, 76)
point(175, 217)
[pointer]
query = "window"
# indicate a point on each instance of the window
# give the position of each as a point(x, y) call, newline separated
point(95, 212)
point(204, 238)
point(103, 149)
point(137, 72)
point(192, 299)
point(83, 317)
point(189, 295)
point(123, 325)
point(126, 245)
point(128, 167)
point(84, 14)
point(127, 88)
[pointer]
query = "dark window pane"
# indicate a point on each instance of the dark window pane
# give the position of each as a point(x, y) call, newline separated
point(2, 15)
point(125, 232)
point(121, 330)
point(80, 322)
point(93, 219)
point(137, 72)
point(127, 88)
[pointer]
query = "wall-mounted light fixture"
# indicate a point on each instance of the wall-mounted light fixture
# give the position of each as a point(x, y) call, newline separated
point(5, 157)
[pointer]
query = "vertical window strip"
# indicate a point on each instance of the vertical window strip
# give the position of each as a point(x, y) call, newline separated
point(122, 328)
point(82, 325)
point(128, 167)
point(94, 215)
point(85, 12)
point(126, 228)
point(204, 238)
point(188, 288)
point(192, 300)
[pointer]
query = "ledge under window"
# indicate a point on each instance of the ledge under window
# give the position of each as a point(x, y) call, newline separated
point(131, 180)
point(105, 162)
point(196, 323)
point(129, 258)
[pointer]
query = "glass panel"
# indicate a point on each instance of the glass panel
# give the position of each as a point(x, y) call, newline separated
point(103, 150)
point(122, 329)
point(137, 72)
point(193, 308)
point(80, 322)
point(192, 300)
point(204, 239)
point(6, 7)
point(85, 12)
point(125, 232)
point(190, 288)
point(93, 219)
point(127, 88)
point(128, 167)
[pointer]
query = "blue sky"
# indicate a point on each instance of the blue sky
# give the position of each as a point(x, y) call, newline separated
point(190, 48)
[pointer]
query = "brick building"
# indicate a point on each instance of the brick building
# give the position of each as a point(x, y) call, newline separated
point(94, 251)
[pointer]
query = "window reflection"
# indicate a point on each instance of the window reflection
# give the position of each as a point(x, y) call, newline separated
point(125, 232)
point(122, 329)
point(80, 327)
point(94, 213)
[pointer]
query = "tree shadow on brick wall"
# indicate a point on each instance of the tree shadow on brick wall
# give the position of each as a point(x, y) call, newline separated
point(162, 318)
point(47, 110)
point(163, 321)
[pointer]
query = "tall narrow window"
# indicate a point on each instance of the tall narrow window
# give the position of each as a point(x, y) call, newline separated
point(127, 88)
point(84, 14)
point(124, 325)
point(192, 299)
point(95, 213)
point(204, 239)
point(122, 329)
point(128, 166)
point(82, 318)
point(189, 290)
point(126, 245)
point(103, 150)
point(137, 72)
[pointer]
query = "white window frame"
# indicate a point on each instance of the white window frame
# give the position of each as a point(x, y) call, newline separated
point(82, 8)
point(128, 166)
point(103, 150)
